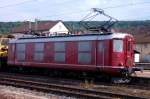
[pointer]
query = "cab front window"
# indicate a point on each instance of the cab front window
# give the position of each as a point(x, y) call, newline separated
point(117, 45)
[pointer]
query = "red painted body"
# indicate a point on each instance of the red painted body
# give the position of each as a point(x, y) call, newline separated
point(102, 58)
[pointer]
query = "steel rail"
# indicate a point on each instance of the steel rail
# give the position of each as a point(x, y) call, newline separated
point(136, 82)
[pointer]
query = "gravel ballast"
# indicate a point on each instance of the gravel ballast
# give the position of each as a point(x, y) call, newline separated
point(8, 92)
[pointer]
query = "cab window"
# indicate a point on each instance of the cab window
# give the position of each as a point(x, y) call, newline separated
point(117, 45)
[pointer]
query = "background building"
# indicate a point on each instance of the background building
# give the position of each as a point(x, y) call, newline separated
point(42, 28)
point(143, 46)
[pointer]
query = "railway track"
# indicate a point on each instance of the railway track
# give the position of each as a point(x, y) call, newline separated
point(69, 90)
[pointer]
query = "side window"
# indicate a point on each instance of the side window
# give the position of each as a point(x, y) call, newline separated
point(84, 46)
point(38, 51)
point(20, 52)
point(60, 52)
point(84, 52)
point(117, 46)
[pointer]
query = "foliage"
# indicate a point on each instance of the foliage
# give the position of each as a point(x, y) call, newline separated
point(6, 27)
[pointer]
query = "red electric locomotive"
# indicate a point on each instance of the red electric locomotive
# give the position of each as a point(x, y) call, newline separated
point(110, 53)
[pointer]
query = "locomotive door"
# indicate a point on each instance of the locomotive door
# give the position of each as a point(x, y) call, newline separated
point(117, 52)
point(129, 52)
point(103, 53)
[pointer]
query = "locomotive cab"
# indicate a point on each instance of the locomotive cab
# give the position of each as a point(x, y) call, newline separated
point(123, 54)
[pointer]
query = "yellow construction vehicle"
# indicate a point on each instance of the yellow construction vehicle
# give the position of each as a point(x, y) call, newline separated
point(3, 47)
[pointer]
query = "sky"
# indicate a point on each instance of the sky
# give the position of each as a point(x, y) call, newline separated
point(72, 10)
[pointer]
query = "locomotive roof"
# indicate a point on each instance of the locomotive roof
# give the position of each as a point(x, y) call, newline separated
point(71, 38)
point(69, 35)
